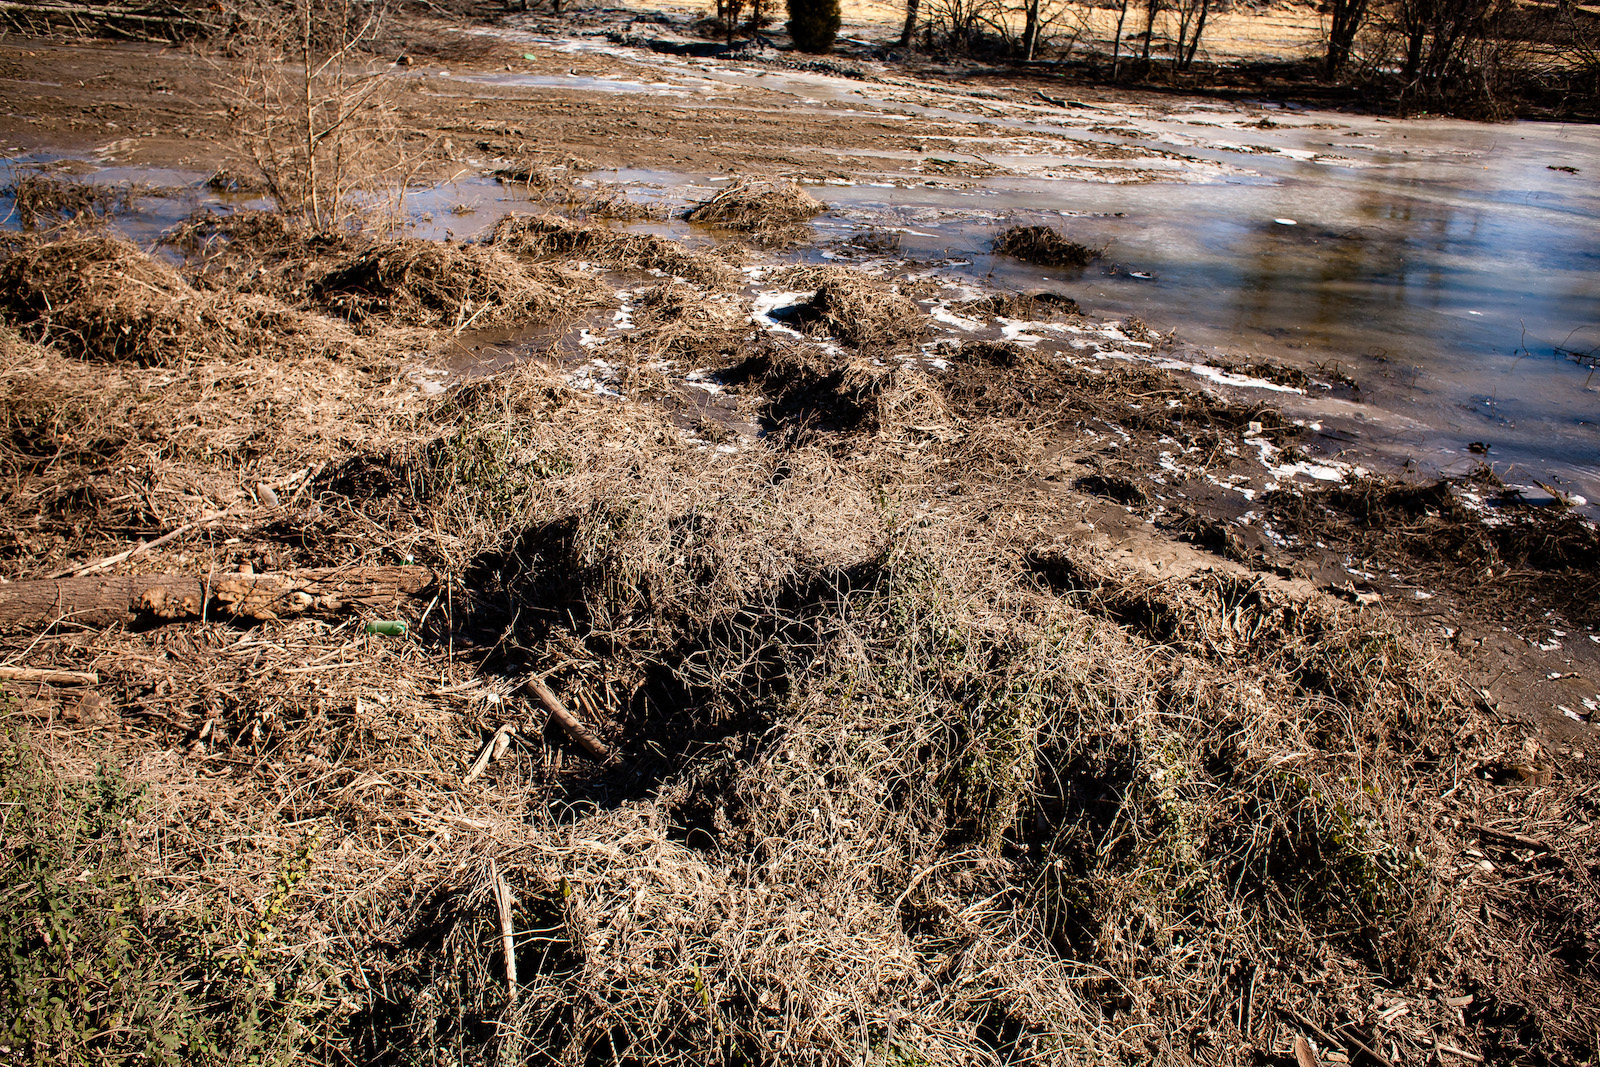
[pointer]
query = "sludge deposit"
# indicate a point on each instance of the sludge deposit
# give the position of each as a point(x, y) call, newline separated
point(806, 665)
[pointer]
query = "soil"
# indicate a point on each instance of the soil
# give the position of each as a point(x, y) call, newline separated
point(1018, 688)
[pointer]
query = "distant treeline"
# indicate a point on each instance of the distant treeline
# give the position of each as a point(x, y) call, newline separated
point(1476, 58)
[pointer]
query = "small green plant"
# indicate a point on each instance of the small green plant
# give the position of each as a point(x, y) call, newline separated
point(94, 971)
point(813, 24)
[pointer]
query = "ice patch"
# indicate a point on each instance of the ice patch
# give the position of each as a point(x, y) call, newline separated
point(1222, 377)
point(943, 314)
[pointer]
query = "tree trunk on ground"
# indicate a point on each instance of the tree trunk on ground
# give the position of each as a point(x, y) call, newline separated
point(910, 26)
point(166, 597)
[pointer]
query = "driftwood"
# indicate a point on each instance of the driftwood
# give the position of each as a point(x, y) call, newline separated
point(101, 601)
point(168, 22)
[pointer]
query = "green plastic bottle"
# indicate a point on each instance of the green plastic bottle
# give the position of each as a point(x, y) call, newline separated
point(386, 628)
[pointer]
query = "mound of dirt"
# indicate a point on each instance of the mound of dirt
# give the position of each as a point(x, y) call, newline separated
point(550, 235)
point(1044, 246)
point(414, 282)
point(759, 208)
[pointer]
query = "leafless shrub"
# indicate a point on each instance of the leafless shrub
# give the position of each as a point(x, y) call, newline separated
point(314, 111)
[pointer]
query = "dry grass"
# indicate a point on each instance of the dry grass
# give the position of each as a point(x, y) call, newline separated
point(43, 200)
point(100, 297)
point(900, 776)
point(1032, 307)
point(557, 185)
point(413, 282)
point(767, 210)
point(848, 306)
point(1044, 246)
point(553, 235)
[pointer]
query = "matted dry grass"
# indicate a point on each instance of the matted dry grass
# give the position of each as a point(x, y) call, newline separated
point(551, 235)
point(413, 282)
point(900, 776)
point(767, 210)
point(101, 298)
point(863, 312)
point(1045, 246)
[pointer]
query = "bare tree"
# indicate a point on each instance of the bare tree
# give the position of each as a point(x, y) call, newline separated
point(1151, 9)
point(908, 31)
point(1116, 43)
point(1191, 24)
point(1345, 19)
point(315, 111)
point(1030, 28)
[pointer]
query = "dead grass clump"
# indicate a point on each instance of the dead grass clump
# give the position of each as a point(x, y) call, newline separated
point(764, 209)
point(237, 182)
point(42, 200)
point(996, 354)
point(858, 310)
point(259, 235)
point(1502, 558)
point(678, 320)
point(1030, 307)
point(1044, 246)
point(95, 450)
point(549, 235)
point(677, 305)
point(556, 185)
point(414, 282)
point(810, 389)
point(1139, 399)
point(100, 297)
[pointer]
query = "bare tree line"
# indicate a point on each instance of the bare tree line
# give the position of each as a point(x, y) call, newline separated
point(1465, 56)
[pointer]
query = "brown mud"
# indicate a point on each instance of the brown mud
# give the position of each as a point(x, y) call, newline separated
point(961, 707)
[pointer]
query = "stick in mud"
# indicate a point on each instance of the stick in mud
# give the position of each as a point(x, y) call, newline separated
point(569, 722)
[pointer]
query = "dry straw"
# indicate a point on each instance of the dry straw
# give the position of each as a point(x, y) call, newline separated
point(900, 775)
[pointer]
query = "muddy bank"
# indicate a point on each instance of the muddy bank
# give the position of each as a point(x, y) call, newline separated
point(905, 689)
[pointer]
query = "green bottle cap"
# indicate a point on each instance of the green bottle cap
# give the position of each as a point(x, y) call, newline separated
point(386, 628)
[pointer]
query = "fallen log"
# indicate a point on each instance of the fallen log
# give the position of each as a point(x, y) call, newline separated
point(101, 601)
